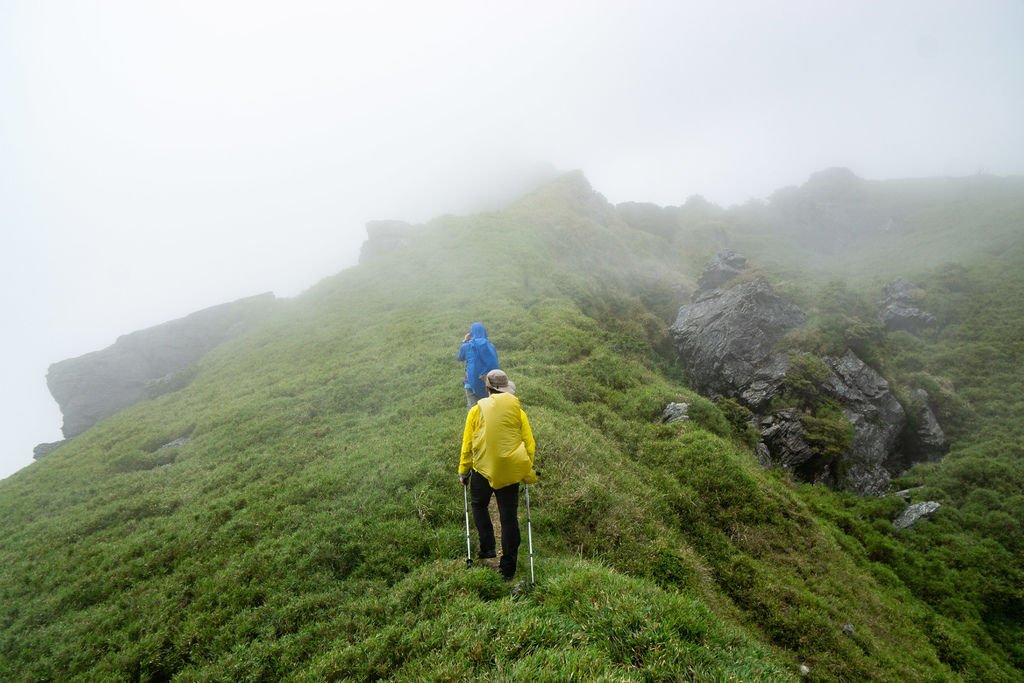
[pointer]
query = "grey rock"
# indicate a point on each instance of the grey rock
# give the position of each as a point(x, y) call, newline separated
point(864, 478)
point(928, 442)
point(725, 266)
point(915, 513)
point(848, 630)
point(92, 387)
point(44, 449)
point(675, 412)
point(899, 310)
point(877, 419)
point(383, 237)
point(763, 454)
point(805, 670)
point(726, 340)
point(783, 435)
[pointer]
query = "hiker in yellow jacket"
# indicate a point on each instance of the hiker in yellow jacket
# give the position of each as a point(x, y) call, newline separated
point(497, 453)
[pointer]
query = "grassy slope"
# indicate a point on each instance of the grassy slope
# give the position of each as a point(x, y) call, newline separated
point(311, 529)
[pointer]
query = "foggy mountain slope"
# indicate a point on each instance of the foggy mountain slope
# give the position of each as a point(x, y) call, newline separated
point(838, 223)
point(310, 527)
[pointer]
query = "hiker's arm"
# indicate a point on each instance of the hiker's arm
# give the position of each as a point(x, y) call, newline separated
point(466, 457)
point(531, 445)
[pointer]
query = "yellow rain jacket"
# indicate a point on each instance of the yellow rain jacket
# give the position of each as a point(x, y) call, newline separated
point(498, 442)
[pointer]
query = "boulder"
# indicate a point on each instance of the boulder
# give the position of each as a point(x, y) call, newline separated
point(725, 266)
point(675, 412)
point(92, 387)
point(915, 513)
point(44, 449)
point(899, 309)
point(877, 419)
point(726, 340)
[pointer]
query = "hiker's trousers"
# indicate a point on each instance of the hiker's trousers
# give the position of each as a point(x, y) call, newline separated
point(480, 492)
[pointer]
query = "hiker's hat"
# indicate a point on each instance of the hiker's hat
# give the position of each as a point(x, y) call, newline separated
point(498, 381)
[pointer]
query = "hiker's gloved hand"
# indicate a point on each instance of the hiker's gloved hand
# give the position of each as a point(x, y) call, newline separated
point(464, 478)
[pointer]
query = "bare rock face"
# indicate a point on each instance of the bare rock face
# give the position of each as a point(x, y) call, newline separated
point(783, 436)
point(899, 309)
point(915, 513)
point(146, 363)
point(877, 419)
point(726, 340)
point(675, 412)
point(45, 449)
point(725, 266)
point(927, 440)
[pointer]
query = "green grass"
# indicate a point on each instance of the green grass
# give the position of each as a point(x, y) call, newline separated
point(312, 528)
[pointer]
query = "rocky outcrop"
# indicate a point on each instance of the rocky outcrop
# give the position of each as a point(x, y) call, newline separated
point(926, 441)
point(45, 449)
point(675, 412)
point(877, 419)
point(146, 363)
point(724, 267)
point(875, 415)
point(782, 434)
point(727, 340)
point(915, 513)
point(899, 309)
point(383, 237)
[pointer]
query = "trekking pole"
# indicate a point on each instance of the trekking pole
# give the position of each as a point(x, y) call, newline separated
point(465, 500)
point(529, 532)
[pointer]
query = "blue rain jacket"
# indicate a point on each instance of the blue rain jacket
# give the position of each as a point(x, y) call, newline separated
point(481, 357)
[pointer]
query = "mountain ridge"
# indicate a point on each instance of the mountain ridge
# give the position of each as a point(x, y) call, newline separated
point(310, 529)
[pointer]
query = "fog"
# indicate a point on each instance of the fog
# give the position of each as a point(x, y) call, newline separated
point(160, 157)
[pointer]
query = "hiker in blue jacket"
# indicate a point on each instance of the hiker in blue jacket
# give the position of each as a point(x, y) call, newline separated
point(480, 357)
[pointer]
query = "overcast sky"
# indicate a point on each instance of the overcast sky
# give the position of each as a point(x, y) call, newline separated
point(160, 157)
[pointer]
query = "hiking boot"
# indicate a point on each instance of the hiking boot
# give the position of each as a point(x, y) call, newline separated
point(490, 562)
